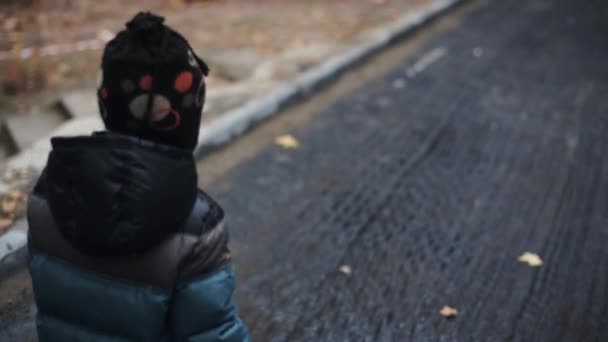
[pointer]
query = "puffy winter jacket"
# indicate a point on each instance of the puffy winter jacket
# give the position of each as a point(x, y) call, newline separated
point(124, 247)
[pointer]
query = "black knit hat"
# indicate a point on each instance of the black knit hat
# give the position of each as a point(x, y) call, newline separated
point(152, 83)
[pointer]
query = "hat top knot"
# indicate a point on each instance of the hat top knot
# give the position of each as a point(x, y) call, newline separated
point(146, 25)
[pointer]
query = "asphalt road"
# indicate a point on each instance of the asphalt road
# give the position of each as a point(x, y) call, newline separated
point(430, 182)
point(428, 174)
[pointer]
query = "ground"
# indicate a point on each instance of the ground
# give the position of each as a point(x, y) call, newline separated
point(419, 180)
point(49, 63)
point(217, 29)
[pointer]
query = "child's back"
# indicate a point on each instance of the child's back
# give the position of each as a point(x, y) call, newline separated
point(123, 246)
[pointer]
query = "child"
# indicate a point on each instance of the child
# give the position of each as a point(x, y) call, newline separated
point(123, 246)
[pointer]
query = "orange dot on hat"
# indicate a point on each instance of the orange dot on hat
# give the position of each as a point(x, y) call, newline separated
point(183, 82)
point(145, 82)
point(104, 93)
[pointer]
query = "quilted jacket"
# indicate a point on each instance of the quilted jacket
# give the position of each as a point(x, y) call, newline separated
point(124, 247)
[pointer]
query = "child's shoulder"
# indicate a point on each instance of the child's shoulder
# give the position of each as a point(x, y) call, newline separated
point(205, 215)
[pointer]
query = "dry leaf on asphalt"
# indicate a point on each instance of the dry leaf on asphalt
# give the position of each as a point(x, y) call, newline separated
point(346, 269)
point(287, 141)
point(448, 312)
point(531, 259)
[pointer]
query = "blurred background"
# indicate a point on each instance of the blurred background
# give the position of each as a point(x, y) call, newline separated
point(50, 50)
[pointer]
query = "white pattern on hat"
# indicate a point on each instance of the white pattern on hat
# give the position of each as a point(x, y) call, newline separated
point(160, 107)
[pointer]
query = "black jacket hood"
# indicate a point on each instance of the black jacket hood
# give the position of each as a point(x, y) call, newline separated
point(113, 194)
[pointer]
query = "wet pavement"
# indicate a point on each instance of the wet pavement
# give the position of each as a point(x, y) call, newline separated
point(429, 182)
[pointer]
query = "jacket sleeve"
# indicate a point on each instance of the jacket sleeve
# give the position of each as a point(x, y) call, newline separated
point(203, 309)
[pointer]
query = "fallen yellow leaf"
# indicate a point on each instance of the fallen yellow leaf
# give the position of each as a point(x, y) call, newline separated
point(287, 141)
point(531, 259)
point(448, 312)
point(346, 269)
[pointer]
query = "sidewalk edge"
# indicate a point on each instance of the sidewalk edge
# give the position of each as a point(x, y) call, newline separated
point(237, 121)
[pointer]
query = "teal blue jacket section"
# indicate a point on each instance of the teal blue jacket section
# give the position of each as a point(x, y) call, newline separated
point(76, 305)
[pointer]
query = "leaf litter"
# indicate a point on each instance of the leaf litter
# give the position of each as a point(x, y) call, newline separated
point(287, 141)
point(448, 312)
point(532, 259)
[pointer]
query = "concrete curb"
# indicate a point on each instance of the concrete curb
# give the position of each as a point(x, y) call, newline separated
point(237, 121)
point(233, 123)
